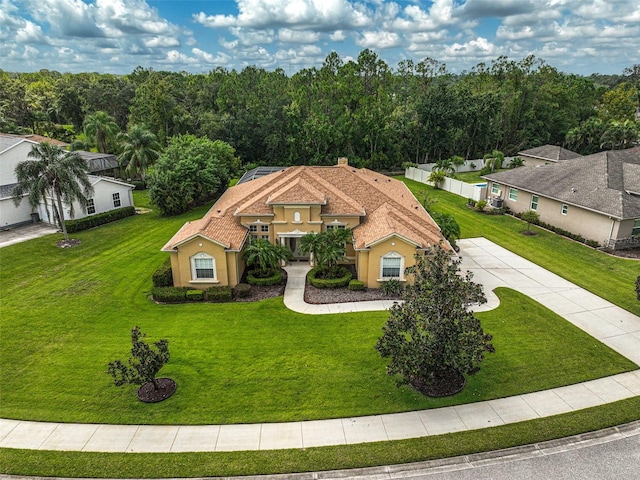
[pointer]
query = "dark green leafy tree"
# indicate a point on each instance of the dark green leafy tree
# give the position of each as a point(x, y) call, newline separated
point(53, 173)
point(493, 161)
point(190, 172)
point(266, 256)
point(139, 149)
point(143, 365)
point(432, 338)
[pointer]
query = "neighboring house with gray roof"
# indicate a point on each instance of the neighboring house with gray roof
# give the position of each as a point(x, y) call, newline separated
point(596, 196)
point(545, 155)
point(109, 193)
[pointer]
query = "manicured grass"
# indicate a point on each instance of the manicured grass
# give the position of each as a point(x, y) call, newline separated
point(472, 177)
point(68, 312)
point(610, 277)
point(150, 465)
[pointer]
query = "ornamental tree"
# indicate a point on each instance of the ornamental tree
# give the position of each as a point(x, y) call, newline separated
point(144, 364)
point(432, 338)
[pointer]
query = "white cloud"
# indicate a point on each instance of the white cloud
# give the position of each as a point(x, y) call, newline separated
point(338, 36)
point(287, 35)
point(249, 37)
point(154, 42)
point(479, 47)
point(379, 40)
point(219, 59)
point(320, 14)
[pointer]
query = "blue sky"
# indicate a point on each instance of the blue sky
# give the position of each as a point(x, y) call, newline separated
point(115, 36)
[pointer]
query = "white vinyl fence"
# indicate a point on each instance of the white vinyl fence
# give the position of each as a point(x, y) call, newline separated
point(466, 190)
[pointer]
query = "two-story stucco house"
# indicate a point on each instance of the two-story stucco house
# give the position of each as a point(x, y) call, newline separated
point(388, 224)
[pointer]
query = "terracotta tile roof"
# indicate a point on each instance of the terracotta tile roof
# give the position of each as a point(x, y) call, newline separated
point(37, 139)
point(385, 205)
point(296, 192)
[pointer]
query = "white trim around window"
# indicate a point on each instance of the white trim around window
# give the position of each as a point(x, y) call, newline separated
point(534, 202)
point(203, 268)
point(564, 209)
point(495, 188)
point(391, 266)
point(116, 200)
point(513, 194)
point(91, 206)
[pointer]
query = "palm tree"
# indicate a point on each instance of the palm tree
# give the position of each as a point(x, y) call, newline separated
point(457, 161)
point(101, 128)
point(328, 248)
point(139, 149)
point(493, 160)
point(53, 173)
point(266, 255)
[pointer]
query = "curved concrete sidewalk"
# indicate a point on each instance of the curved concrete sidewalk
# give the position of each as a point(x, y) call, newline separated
point(493, 266)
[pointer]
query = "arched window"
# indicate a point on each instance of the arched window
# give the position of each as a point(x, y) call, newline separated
point(296, 217)
point(391, 266)
point(203, 267)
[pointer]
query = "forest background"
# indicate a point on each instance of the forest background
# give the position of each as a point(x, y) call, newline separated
point(377, 116)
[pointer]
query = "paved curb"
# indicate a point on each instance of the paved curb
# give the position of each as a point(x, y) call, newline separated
point(452, 464)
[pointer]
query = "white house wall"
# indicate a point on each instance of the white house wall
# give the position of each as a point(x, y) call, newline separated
point(103, 198)
point(10, 214)
point(10, 158)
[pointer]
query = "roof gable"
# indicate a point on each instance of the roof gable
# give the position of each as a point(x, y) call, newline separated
point(596, 182)
point(386, 205)
point(552, 153)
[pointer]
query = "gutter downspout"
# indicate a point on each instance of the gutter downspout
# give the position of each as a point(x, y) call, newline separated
point(613, 223)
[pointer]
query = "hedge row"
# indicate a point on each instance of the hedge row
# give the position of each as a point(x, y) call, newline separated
point(99, 219)
point(356, 285)
point(274, 279)
point(163, 276)
point(186, 294)
point(342, 281)
point(561, 231)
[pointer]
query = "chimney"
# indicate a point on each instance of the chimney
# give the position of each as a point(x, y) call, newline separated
point(343, 161)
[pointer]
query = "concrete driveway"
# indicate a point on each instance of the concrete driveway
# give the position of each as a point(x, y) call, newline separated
point(25, 232)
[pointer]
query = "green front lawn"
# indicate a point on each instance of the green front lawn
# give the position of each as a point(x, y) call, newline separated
point(610, 277)
point(66, 313)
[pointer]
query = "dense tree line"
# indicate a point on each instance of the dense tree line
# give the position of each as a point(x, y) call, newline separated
point(377, 116)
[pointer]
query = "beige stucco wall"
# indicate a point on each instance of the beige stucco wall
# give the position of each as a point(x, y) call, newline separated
point(591, 225)
point(181, 264)
point(376, 252)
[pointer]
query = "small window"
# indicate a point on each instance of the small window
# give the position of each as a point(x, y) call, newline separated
point(565, 209)
point(253, 228)
point(203, 267)
point(265, 237)
point(264, 228)
point(296, 216)
point(91, 206)
point(116, 200)
point(329, 227)
point(534, 202)
point(636, 228)
point(391, 265)
point(495, 188)
point(341, 227)
point(513, 194)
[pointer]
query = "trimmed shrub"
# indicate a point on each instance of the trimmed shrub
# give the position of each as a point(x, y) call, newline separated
point(98, 219)
point(195, 295)
point(315, 278)
point(563, 232)
point(170, 294)
point(392, 288)
point(218, 294)
point(480, 205)
point(638, 287)
point(243, 290)
point(471, 202)
point(163, 276)
point(274, 279)
point(356, 285)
